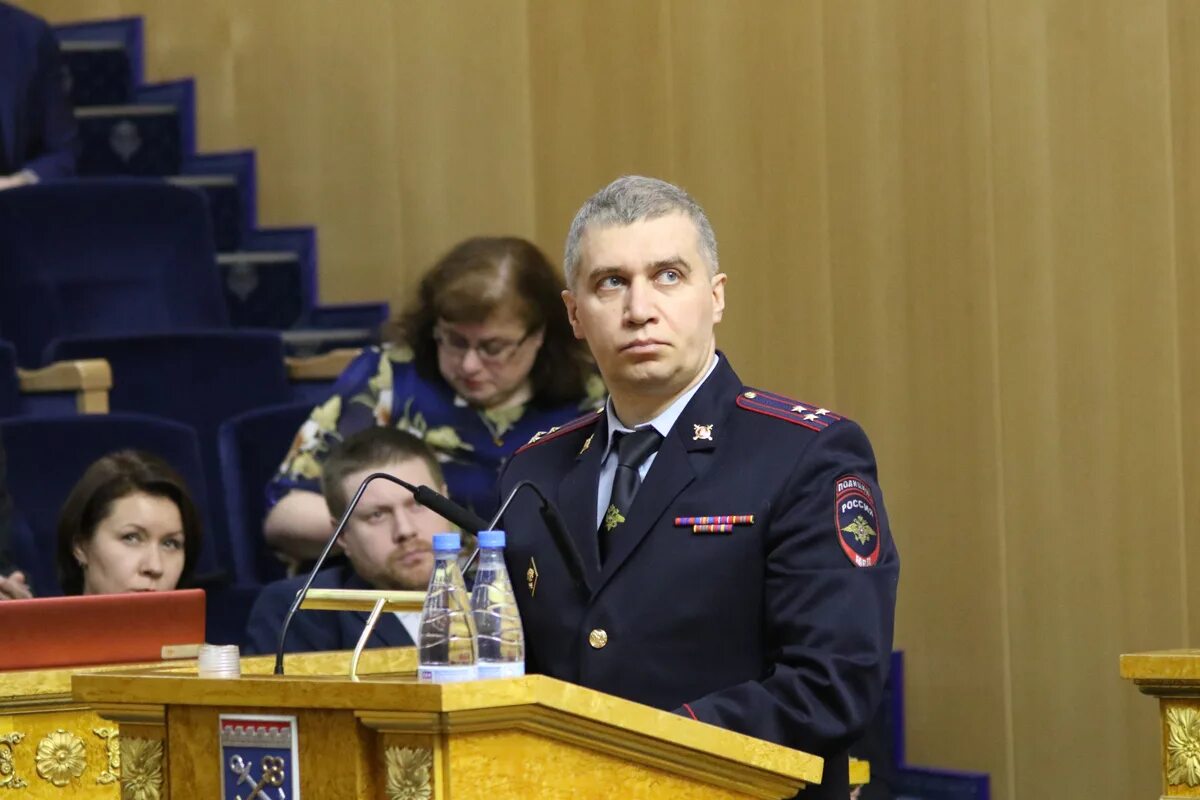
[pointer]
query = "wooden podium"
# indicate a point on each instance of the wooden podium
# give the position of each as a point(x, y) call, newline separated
point(389, 737)
point(54, 746)
point(1173, 676)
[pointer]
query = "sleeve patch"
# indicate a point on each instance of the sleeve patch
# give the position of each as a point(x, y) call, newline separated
point(809, 415)
point(856, 521)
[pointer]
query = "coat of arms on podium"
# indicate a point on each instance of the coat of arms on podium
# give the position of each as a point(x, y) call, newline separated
point(258, 757)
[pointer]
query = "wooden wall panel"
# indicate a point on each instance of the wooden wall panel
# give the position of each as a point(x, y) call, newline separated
point(1184, 64)
point(1092, 496)
point(914, 327)
point(600, 80)
point(747, 94)
point(464, 146)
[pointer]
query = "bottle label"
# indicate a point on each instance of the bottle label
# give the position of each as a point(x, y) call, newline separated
point(500, 669)
point(445, 674)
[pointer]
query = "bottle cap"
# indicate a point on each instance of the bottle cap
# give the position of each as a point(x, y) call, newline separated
point(491, 538)
point(443, 542)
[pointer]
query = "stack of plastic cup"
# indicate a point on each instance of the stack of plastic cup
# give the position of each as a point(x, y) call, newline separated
point(220, 661)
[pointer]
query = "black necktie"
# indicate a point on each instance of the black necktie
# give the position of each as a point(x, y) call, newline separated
point(633, 447)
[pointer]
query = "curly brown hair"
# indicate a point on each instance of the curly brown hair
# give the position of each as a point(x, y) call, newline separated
point(486, 273)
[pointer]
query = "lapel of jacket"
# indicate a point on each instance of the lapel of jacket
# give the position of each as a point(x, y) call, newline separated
point(685, 453)
point(389, 630)
point(577, 499)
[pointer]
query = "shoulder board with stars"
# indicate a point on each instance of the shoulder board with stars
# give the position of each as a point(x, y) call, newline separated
point(808, 415)
point(558, 430)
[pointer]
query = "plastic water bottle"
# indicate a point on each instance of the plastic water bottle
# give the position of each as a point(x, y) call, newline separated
point(497, 622)
point(446, 638)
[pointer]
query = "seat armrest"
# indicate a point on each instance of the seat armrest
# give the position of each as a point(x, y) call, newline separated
point(90, 379)
point(323, 367)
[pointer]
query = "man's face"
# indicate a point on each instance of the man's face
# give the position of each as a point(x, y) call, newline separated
point(646, 305)
point(389, 538)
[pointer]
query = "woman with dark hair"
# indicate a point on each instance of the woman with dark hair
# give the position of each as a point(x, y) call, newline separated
point(128, 525)
point(482, 360)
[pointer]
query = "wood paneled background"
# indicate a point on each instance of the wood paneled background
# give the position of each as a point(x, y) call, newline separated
point(967, 223)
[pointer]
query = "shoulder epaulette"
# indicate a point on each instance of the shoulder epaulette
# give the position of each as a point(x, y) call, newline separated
point(808, 415)
point(560, 430)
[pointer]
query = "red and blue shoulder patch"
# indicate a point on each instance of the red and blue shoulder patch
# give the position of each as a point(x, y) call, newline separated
point(856, 520)
point(561, 430)
point(810, 416)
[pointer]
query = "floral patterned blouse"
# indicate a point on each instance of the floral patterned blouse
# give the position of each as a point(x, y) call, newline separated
point(382, 387)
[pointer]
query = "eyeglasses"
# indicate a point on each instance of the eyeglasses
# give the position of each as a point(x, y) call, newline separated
point(492, 352)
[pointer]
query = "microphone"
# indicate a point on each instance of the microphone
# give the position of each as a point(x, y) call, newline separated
point(558, 532)
point(423, 495)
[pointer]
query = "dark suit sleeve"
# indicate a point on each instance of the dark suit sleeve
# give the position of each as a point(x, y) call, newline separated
point(311, 631)
point(828, 622)
point(52, 120)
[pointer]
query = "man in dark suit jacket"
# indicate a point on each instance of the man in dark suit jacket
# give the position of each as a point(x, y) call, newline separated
point(388, 543)
point(738, 562)
point(38, 135)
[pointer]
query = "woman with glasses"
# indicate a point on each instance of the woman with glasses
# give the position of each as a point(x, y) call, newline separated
point(482, 360)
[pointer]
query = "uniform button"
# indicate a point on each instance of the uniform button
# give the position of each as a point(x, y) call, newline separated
point(750, 395)
point(598, 638)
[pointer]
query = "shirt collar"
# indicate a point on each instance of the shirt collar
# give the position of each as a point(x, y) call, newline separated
point(664, 421)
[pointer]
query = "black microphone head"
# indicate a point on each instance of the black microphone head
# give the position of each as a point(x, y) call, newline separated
point(467, 520)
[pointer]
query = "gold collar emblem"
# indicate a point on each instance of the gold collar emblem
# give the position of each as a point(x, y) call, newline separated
point(613, 518)
point(586, 444)
point(702, 433)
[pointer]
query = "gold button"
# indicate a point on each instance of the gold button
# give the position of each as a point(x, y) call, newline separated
point(750, 395)
point(598, 638)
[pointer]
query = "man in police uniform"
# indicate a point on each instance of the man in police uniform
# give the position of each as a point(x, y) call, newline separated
point(735, 562)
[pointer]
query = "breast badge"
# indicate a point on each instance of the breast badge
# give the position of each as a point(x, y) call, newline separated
point(531, 577)
point(856, 521)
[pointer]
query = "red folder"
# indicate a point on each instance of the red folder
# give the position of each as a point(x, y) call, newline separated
point(98, 629)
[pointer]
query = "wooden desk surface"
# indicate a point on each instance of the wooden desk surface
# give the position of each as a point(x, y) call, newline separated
point(1162, 666)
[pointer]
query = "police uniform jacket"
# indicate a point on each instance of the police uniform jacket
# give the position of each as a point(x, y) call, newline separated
point(780, 629)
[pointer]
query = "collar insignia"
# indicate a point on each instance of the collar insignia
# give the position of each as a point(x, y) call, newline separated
point(702, 433)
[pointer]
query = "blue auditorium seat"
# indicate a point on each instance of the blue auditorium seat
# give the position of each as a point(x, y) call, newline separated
point(99, 72)
point(104, 257)
point(199, 378)
point(252, 446)
point(47, 455)
point(224, 205)
point(138, 139)
point(262, 289)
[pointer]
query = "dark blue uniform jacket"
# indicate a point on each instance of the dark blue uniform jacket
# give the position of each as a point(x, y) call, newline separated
point(313, 631)
point(773, 630)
